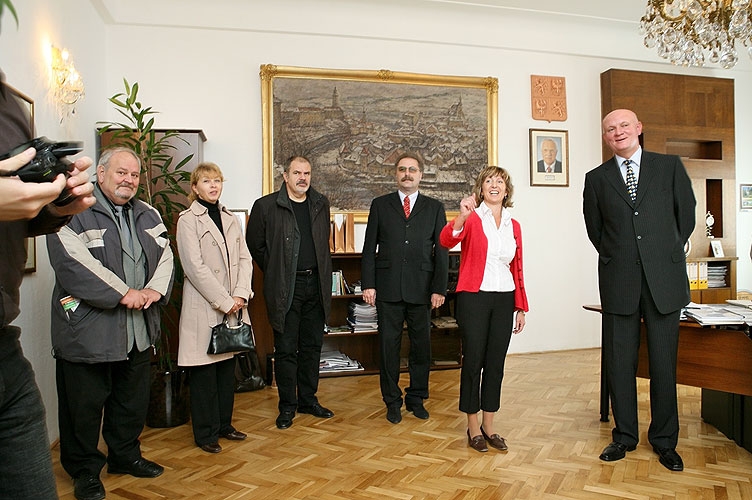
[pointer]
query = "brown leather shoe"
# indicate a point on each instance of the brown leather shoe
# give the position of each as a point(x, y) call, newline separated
point(235, 436)
point(211, 447)
point(478, 443)
point(495, 440)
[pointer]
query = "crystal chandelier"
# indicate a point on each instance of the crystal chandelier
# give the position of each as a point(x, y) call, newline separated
point(685, 30)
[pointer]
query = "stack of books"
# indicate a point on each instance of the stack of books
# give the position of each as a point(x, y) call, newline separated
point(339, 284)
point(717, 276)
point(718, 314)
point(362, 317)
point(335, 361)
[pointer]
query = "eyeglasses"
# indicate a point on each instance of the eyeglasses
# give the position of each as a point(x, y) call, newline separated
point(412, 170)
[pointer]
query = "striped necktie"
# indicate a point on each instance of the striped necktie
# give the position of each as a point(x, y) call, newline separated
point(631, 180)
point(406, 206)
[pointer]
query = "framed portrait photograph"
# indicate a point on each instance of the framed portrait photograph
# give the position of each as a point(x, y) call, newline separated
point(242, 216)
point(745, 197)
point(717, 248)
point(354, 124)
point(549, 157)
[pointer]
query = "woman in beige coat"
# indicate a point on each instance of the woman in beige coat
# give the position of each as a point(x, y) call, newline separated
point(218, 270)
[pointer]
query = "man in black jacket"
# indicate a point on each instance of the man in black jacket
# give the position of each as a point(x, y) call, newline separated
point(639, 212)
point(404, 280)
point(288, 236)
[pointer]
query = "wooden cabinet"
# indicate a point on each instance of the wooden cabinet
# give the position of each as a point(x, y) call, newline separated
point(717, 295)
point(446, 343)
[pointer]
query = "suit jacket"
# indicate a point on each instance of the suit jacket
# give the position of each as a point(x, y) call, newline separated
point(645, 237)
point(410, 264)
point(542, 166)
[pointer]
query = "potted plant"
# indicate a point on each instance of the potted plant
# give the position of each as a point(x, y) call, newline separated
point(162, 186)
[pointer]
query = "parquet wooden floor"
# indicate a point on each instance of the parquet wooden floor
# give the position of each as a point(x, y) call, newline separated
point(549, 416)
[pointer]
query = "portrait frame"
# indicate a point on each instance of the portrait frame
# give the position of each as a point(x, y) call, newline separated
point(392, 83)
point(717, 248)
point(28, 105)
point(745, 197)
point(555, 178)
point(242, 216)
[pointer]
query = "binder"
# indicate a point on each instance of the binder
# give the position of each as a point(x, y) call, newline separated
point(692, 274)
point(702, 275)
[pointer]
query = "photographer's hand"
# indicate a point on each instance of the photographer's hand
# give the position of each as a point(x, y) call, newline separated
point(80, 187)
point(24, 200)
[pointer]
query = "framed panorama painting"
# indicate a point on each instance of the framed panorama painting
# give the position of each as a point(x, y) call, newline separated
point(352, 125)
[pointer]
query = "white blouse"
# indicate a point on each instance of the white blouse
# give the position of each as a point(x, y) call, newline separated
point(501, 249)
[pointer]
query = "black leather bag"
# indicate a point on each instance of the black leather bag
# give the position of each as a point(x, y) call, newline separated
point(226, 338)
point(248, 372)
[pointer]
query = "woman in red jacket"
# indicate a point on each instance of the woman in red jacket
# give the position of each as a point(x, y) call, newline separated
point(490, 290)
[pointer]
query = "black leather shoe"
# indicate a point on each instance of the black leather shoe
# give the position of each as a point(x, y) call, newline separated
point(478, 443)
point(316, 410)
point(418, 410)
point(211, 447)
point(284, 420)
point(235, 436)
point(495, 440)
point(394, 414)
point(615, 451)
point(669, 459)
point(87, 486)
point(138, 468)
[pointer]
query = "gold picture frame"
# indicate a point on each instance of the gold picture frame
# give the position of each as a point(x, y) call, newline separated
point(353, 123)
point(27, 103)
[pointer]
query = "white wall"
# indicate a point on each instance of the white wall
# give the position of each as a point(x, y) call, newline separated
point(74, 25)
point(199, 67)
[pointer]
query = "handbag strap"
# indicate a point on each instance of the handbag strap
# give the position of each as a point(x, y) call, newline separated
point(226, 321)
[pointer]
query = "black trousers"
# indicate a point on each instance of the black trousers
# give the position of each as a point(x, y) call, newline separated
point(392, 316)
point(212, 399)
point(621, 337)
point(84, 391)
point(297, 349)
point(486, 320)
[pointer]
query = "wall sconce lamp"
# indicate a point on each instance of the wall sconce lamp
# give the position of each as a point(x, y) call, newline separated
point(67, 85)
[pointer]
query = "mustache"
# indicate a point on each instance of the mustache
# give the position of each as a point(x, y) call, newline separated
point(302, 183)
point(407, 178)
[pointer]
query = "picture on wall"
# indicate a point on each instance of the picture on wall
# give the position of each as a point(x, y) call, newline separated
point(26, 104)
point(745, 196)
point(353, 125)
point(549, 157)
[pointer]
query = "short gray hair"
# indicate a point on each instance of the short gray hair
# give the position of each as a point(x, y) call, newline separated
point(107, 155)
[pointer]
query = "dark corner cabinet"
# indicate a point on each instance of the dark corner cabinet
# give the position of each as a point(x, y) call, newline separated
point(446, 343)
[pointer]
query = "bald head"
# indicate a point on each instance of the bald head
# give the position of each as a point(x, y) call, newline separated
point(621, 132)
point(548, 151)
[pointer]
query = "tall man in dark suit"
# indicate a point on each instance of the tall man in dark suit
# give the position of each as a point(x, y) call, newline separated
point(404, 280)
point(639, 212)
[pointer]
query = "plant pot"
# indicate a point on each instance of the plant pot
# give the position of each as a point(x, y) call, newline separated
point(169, 402)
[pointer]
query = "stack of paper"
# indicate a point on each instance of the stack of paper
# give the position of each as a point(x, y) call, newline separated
point(335, 361)
point(708, 315)
point(362, 317)
point(717, 276)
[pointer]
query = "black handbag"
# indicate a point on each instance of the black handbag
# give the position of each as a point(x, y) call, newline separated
point(226, 338)
point(248, 372)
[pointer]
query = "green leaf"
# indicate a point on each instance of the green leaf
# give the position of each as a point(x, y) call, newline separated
point(11, 8)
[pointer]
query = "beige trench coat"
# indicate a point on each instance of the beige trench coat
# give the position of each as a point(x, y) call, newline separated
point(209, 287)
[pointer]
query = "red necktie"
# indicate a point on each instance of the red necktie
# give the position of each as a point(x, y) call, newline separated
point(406, 206)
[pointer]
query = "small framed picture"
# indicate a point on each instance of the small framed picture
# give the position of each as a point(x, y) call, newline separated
point(549, 157)
point(745, 197)
point(717, 248)
point(242, 215)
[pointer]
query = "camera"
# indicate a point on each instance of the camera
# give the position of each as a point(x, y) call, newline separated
point(47, 164)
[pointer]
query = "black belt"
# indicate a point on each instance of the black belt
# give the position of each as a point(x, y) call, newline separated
point(306, 272)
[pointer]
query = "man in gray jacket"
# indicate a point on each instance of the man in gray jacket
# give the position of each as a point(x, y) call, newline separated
point(113, 267)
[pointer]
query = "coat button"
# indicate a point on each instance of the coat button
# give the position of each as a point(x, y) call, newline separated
point(639, 237)
point(407, 242)
point(637, 213)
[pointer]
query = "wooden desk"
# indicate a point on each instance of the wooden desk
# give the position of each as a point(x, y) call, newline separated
point(708, 357)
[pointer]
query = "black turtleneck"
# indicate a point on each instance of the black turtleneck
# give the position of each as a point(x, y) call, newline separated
point(213, 213)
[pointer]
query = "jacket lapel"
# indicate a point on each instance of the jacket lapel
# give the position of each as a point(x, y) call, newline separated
point(202, 213)
point(394, 202)
point(647, 173)
point(613, 175)
point(420, 203)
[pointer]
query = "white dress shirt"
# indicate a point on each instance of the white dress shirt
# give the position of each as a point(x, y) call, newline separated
point(412, 198)
point(635, 159)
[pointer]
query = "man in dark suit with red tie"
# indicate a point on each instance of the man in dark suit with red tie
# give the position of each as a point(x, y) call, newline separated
point(404, 280)
point(639, 211)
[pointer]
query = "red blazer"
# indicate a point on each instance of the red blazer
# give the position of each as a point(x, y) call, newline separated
point(473, 257)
